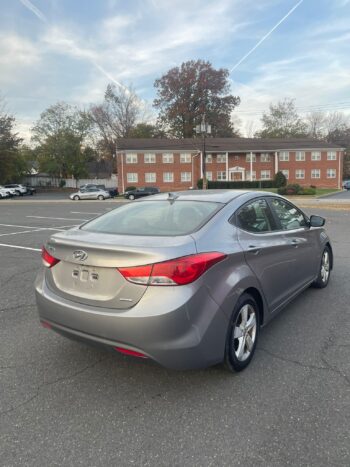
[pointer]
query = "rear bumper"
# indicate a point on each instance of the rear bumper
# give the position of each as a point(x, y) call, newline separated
point(186, 336)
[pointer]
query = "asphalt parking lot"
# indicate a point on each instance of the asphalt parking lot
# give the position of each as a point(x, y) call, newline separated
point(65, 404)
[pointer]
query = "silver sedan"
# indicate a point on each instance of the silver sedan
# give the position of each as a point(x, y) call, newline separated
point(186, 279)
point(90, 193)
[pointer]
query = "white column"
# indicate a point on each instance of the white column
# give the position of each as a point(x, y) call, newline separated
point(276, 162)
point(227, 166)
point(201, 164)
point(251, 166)
point(123, 187)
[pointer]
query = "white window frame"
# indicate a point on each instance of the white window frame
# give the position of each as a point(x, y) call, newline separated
point(221, 158)
point(186, 176)
point(168, 158)
point(334, 172)
point(285, 173)
point(209, 176)
point(331, 155)
point(247, 158)
point(221, 176)
point(185, 158)
point(169, 179)
point(265, 175)
point(248, 175)
point(313, 173)
point(265, 157)
point(300, 174)
point(150, 177)
point(149, 158)
point(131, 158)
point(316, 155)
point(132, 177)
point(208, 158)
point(283, 156)
point(299, 156)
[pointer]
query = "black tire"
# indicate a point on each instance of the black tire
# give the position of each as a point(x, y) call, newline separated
point(100, 197)
point(232, 362)
point(76, 198)
point(324, 272)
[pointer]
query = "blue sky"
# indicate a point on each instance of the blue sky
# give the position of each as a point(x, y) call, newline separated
point(69, 50)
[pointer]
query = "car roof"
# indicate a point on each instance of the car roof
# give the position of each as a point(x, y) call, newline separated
point(218, 196)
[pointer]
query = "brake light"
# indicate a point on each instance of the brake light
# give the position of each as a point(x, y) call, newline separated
point(179, 271)
point(132, 353)
point(48, 260)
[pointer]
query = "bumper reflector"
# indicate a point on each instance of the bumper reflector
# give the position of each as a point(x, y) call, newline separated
point(132, 353)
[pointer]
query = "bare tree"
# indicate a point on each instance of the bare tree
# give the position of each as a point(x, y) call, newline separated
point(316, 124)
point(250, 129)
point(117, 116)
point(336, 122)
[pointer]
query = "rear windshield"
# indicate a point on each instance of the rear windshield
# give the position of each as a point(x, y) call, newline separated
point(149, 218)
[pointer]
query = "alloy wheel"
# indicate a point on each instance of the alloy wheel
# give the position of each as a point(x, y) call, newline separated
point(325, 266)
point(244, 333)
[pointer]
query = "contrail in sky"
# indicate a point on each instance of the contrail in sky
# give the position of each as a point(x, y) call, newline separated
point(39, 14)
point(266, 36)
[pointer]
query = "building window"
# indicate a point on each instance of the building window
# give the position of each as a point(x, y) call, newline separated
point(248, 175)
point(331, 173)
point(132, 178)
point(300, 156)
point(300, 174)
point(315, 173)
point(185, 176)
point(168, 158)
point(284, 156)
point(221, 175)
point(331, 156)
point(221, 158)
point(264, 157)
point(250, 158)
point(209, 176)
point(168, 177)
point(149, 158)
point(150, 177)
point(315, 156)
point(285, 173)
point(265, 175)
point(185, 158)
point(208, 159)
point(131, 159)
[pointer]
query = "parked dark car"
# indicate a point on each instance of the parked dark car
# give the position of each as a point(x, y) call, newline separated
point(346, 185)
point(140, 192)
point(30, 190)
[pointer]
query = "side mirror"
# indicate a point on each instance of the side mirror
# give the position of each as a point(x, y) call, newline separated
point(317, 221)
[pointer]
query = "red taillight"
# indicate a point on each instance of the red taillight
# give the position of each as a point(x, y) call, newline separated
point(45, 324)
point(48, 260)
point(132, 353)
point(179, 271)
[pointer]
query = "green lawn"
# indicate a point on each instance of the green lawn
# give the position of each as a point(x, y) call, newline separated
point(319, 191)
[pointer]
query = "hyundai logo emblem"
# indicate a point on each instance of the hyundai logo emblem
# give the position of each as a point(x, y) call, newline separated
point(80, 255)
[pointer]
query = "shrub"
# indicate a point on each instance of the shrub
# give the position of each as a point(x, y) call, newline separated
point(308, 191)
point(282, 190)
point(280, 180)
point(130, 188)
point(200, 183)
point(313, 186)
point(239, 184)
point(62, 183)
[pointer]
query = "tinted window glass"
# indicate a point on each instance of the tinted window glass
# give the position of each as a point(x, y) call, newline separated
point(289, 216)
point(255, 217)
point(152, 218)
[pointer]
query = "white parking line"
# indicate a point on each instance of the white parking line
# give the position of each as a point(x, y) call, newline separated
point(20, 247)
point(30, 231)
point(57, 218)
point(19, 226)
point(79, 212)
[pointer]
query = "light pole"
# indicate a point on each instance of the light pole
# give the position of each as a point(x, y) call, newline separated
point(203, 129)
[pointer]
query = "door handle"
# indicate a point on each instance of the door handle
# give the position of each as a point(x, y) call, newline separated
point(254, 249)
point(295, 242)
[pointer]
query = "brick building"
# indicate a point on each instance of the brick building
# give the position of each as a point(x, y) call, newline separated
point(177, 164)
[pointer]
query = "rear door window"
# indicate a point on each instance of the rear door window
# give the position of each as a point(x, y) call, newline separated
point(255, 217)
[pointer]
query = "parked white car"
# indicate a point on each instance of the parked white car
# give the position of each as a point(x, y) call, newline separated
point(20, 189)
point(9, 191)
point(90, 193)
point(4, 194)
